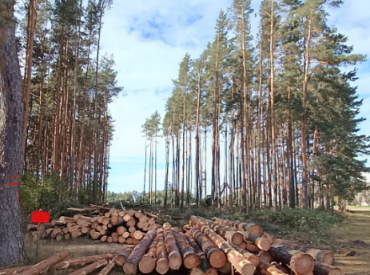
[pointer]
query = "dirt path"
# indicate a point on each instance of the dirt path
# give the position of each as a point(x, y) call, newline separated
point(353, 237)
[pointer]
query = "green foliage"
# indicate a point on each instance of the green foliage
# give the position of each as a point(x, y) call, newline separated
point(308, 223)
point(45, 195)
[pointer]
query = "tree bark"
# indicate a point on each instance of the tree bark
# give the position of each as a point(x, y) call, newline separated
point(11, 153)
point(190, 258)
point(299, 262)
point(324, 269)
point(174, 256)
point(204, 265)
point(215, 256)
point(82, 261)
point(44, 265)
point(241, 264)
point(162, 264)
point(131, 265)
point(90, 268)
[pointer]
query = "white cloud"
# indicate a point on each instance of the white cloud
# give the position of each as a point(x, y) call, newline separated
point(149, 39)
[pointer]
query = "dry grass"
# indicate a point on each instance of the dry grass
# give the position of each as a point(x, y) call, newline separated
point(354, 229)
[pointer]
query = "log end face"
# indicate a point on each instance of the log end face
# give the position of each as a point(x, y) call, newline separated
point(175, 262)
point(237, 238)
point(196, 271)
point(248, 269)
point(217, 259)
point(303, 264)
point(328, 258)
point(256, 230)
point(147, 265)
point(129, 268)
point(162, 266)
point(263, 244)
point(191, 261)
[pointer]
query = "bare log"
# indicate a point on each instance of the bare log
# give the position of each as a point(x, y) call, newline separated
point(81, 261)
point(90, 268)
point(121, 258)
point(242, 265)
point(269, 269)
point(148, 261)
point(107, 268)
point(162, 264)
point(324, 256)
point(204, 266)
point(325, 269)
point(44, 265)
point(252, 228)
point(215, 256)
point(299, 262)
point(131, 265)
point(248, 255)
point(262, 243)
point(14, 270)
point(230, 234)
point(190, 258)
point(174, 256)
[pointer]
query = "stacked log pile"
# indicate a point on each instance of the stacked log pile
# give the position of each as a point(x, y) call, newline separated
point(100, 223)
point(202, 247)
point(257, 252)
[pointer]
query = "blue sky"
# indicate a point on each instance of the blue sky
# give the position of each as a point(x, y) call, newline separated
point(148, 40)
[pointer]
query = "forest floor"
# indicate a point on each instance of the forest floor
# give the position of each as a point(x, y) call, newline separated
point(350, 242)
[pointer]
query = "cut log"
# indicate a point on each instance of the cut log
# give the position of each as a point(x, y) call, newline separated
point(230, 234)
point(90, 268)
point(103, 238)
point(71, 263)
point(107, 214)
point(325, 269)
point(107, 268)
point(121, 239)
point(262, 243)
point(189, 257)
point(242, 265)
point(215, 256)
point(174, 256)
point(264, 256)
point(248, 255)
point(67, 236)
point(120, 230)
point(204, 266)
point(44, 265)
point(131, 212)
point(127, 217)
point(131, 229)
point(323, 256)
point(267, 236)
point(251, 247)
point(126, 235)
point(114, 220)
point(121, 258)
point(226, 269)
point(269, 269)
point(148, 261)
point(131, 222)
point(110, 239)
point(59, 237)
point(299, 262)
point(252, 228)
point(131, 265)
point(162, 264)
point(138, 235)
point(14, 270)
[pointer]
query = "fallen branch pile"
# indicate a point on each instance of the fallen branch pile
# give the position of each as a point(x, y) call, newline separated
point(201, 247)
point(101, 223)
